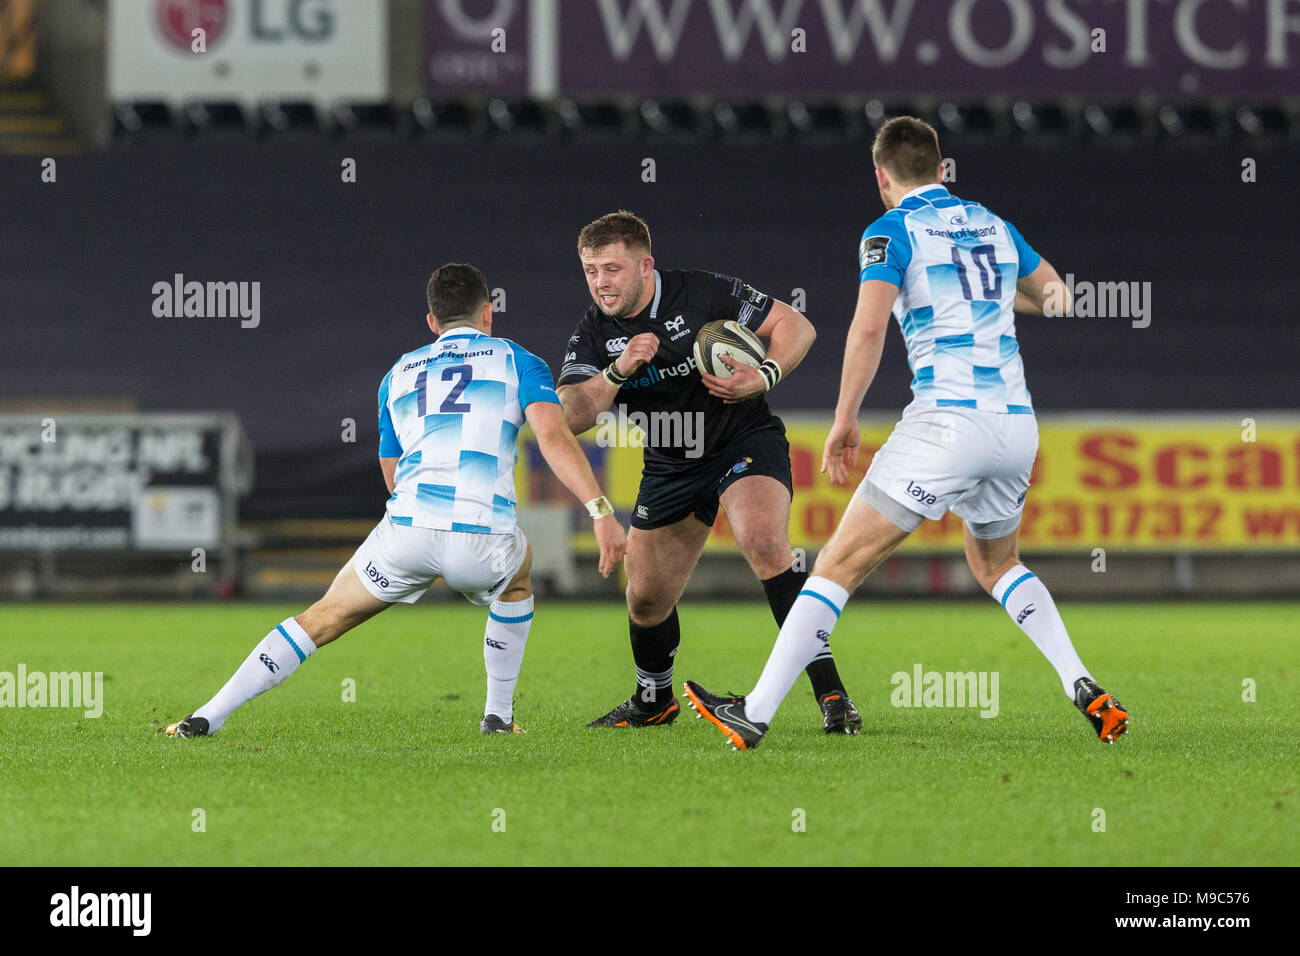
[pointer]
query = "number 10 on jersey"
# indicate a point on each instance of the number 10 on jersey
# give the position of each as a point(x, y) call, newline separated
point(989, 272)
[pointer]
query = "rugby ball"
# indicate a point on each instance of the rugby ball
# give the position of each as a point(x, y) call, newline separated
point(730, 338)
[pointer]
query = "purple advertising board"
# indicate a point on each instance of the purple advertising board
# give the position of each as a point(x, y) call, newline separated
point(476, 45)
point(1169, 48)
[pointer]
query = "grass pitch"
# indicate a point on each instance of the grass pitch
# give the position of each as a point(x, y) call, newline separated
point(401, 776)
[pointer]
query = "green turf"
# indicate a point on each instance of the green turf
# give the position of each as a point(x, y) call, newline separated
point(401, 775)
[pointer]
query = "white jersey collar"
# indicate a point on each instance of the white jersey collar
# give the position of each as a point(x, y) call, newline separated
point(456, 333)
point(921, 189)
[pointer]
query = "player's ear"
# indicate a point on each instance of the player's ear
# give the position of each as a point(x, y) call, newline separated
point(485, 317)
point(433, 325)
point(882, 178)
point(647, 266)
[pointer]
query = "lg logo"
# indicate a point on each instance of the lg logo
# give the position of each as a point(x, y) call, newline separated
point(269, 21)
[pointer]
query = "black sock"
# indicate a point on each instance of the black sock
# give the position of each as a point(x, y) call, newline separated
point(781, 593)
point(653, 648)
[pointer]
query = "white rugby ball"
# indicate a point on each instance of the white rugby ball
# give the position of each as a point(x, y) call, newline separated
point(730, 338)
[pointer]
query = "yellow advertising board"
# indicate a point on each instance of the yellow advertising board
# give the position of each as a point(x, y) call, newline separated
point(1108, 480)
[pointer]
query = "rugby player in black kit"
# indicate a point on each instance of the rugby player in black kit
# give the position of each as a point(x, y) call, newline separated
point(633, 346)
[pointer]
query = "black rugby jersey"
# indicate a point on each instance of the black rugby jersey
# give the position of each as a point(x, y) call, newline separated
point(684, 300)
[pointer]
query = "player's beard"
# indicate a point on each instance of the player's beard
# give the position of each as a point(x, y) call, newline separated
point(628, 300)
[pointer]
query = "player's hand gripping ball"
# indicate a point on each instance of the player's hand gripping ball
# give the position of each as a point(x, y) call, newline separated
point(730, 338)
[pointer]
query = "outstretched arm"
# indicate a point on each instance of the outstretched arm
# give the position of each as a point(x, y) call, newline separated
point(862, 351)
point(569, 462)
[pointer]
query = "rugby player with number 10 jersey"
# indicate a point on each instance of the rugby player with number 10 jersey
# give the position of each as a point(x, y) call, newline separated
point(952, 274)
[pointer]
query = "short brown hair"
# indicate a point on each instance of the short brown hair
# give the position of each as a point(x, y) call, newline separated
point(456, 291)
point(908, 149)
point(621, 226)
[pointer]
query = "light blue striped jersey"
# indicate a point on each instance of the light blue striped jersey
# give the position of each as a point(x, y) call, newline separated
point(450, 413)
point(956, 266)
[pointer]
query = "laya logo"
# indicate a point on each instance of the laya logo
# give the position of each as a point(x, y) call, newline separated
point(498, 645)
point(920, 494)
point(674, 325)
point(872, 251)
point(374, 575)
point(615, 345)
point(1020, 618)
point(570, 356)
point(270, 664)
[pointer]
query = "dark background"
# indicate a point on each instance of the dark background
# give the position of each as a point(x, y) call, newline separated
point(343, 267)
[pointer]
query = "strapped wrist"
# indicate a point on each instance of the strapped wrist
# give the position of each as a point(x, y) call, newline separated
point(599, 507)
point(612, 375)
point(771, 373)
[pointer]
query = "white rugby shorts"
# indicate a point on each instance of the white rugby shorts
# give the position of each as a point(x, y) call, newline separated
point(974, 463)
point(398, 563)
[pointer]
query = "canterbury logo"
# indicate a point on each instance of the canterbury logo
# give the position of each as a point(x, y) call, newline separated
point(1020, 618)
point(498, 645)
point(824, 637)
point(270, 664)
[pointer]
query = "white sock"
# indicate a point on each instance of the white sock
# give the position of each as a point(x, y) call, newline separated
point(1030, 605)
point(273, 660)
point(805, 634)
point(503, 653)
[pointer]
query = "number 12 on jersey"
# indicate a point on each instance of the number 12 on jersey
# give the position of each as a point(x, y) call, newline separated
point(463, 374)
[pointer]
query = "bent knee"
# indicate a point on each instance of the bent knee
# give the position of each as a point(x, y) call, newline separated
point(647, 610)
point(325, 620)
point(768, 555)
